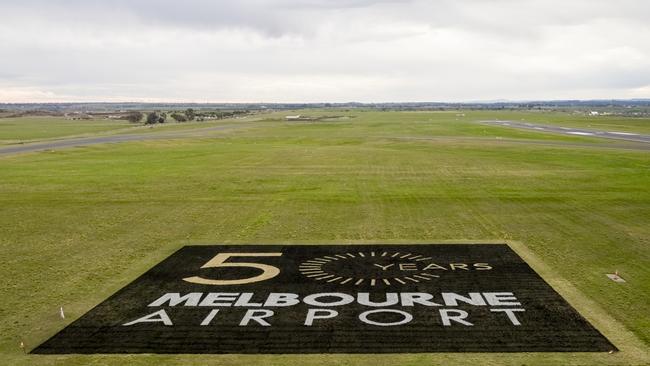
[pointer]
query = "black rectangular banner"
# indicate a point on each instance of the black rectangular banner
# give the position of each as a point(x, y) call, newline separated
point(333, 299)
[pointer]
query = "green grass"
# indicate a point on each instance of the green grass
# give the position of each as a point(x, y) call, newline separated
point(76, 225)
point(15, 130)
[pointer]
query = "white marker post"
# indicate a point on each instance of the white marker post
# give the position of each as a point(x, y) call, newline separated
point(62, 313)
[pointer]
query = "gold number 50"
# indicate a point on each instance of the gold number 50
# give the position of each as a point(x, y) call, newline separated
point(219, 261)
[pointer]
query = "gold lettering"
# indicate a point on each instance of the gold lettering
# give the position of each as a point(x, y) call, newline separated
point(411, 267)
point(453, 266)
point(482, 266)
point(434, 266)
point(219, 261)
point(384, 267)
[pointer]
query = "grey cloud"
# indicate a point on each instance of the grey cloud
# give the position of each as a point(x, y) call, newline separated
point(289, 50)
point(294, 17)
point(515, 20)
point(273, 18)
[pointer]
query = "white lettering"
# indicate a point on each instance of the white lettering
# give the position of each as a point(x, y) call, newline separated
point(208, 319)
point(258, 316)
point(215, 298)
point(174, 298)
point(159, 316)
point(244, 300)
point(344, 299)
point(363, 298)
point(510, 313)
point(501, 298)
point(281, 299)
point(422, 298)
point(324, 314)
point(445, 315)
point(451, 299)
point(364, 317)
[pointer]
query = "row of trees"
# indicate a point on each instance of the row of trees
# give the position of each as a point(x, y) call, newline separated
point(188, 115)
point(134, 117)
point(157, 117)
point(208, 115)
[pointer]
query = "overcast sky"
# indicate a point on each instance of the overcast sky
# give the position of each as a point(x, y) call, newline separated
point(323, 50)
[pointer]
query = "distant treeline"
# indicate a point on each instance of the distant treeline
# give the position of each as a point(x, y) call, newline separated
point(486, 105)
point(137, 112)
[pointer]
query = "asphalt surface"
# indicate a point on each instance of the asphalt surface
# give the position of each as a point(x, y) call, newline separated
point(615, 135)
point(85, 141)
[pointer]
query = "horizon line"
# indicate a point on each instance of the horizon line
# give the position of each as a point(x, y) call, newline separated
point(495, 101)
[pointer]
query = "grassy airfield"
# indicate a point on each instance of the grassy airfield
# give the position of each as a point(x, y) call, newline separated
point(78, 224)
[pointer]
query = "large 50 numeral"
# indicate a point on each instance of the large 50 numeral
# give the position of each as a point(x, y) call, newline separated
point(219, 261)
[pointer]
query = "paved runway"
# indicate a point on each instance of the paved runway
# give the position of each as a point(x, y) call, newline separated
point(616, 135)
point(85, 141)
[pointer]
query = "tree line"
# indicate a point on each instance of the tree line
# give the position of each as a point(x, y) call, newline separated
point(185, 116)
